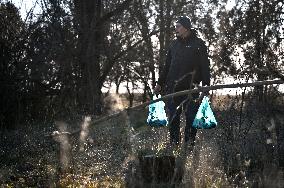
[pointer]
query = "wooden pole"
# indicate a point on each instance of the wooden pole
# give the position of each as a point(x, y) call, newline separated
point(201, 89)
point(186, 92)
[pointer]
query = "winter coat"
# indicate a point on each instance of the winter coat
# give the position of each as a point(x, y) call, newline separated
point(184, 57)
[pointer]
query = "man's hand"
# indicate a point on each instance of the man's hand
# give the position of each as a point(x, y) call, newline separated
point(203, 94)
point(206, 93)
point(157, 89)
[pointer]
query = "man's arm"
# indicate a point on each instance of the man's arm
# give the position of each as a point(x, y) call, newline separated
point(205, 65)
point(162, 79)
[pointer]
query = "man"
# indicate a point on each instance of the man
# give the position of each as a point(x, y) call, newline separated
point(187, 65)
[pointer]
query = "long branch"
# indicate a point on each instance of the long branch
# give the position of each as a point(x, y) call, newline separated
point(186, 92)
point(201, 89)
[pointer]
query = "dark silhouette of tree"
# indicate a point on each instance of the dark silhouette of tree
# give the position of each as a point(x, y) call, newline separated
point(91, 19)
point(247, 44)
point(12, 80)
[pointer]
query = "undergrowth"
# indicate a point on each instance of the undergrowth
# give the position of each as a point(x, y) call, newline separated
point(244, 150)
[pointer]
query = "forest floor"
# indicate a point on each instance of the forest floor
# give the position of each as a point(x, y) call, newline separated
point(244, 150)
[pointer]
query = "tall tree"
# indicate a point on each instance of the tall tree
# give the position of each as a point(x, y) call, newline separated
point(91, 20)
point(12, 29)
point(257, 35)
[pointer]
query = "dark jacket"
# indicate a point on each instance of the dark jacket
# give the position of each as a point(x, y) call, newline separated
point(184, 57)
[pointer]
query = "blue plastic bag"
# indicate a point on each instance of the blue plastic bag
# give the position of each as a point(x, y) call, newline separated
point(157, 116)
point(204, 118)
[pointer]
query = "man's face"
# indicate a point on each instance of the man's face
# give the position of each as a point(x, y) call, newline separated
point(180, 30)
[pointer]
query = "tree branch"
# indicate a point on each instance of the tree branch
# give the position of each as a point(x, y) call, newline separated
point(185, 92)
point(110, 63)
point(116, 11)
point(215, 87)
point(201, 89)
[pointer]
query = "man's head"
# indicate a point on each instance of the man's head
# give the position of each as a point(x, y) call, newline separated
point(183, 26)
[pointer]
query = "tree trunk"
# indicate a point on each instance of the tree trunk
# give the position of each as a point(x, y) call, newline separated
point(91, 33)
point(161, 36)
point(259, 48)
point(87, 14)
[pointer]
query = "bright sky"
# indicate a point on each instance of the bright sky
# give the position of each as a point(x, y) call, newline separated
point(26, 5)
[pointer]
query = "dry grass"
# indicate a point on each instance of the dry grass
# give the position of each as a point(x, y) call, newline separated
point(243, 151)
